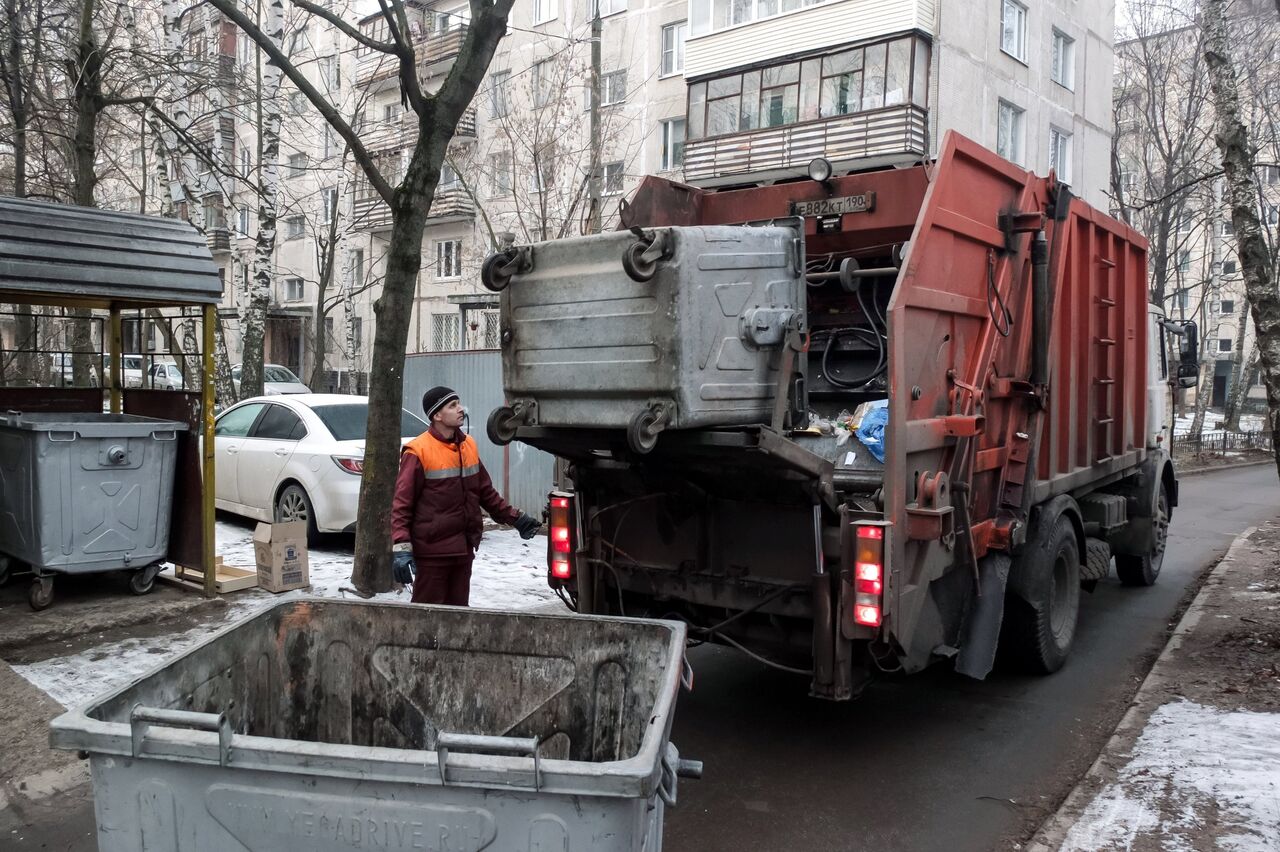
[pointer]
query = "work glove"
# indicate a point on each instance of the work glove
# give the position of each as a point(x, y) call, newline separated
point(402, 567)
point(527, 525)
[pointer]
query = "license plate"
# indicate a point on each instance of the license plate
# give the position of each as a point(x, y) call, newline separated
point(864, 203)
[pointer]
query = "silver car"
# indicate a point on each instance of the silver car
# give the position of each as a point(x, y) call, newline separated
point(276, 380)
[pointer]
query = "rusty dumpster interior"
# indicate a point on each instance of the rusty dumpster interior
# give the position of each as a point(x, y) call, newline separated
point(397, 676)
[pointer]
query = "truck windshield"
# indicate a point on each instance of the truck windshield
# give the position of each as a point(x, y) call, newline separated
point(347, 422)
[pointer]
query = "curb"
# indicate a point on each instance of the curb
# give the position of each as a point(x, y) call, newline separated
point(1196, 471)
point(24, 634)
point(1051, 834)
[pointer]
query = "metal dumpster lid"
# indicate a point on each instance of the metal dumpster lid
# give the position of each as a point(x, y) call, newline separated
point(63, 421)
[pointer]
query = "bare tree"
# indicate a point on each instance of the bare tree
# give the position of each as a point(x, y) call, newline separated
point(1256, 261)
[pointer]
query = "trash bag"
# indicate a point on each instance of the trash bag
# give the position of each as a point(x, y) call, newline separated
point(870, 430)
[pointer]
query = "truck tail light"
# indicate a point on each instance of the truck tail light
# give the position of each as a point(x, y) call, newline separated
point(868, 576)
point(562, 542)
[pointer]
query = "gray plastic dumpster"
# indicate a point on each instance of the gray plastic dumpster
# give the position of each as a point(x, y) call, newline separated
point(335, 725)
point(86, 492)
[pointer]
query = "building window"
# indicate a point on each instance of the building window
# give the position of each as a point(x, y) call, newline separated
point(672, 144)
point(330, 148)
point(1185, 222)
point(214, 217)
point(1270, 214)
point(1013, 29)
point(1227, 228)
point(499, 94)
point(712, 15)
point(1228, 306)
point(297, 165)
point(391, 112)
point(543, 11)
point(542, 93)
point(1060, 153)
point(357, 267)
point(606, 7)
point(613, 87)
point(1184, 261)
point(1009, 131)
point(1228, 268)
point(293, 227)
point(1270, 175)
point(1063, 68)
point(612, 178)
point(297, 103)
point(357, 333)
point(444, 332)
point(330, 73)
point(293, 289)
point(242, 221)
point(329, 198)
point(449, 259)
point(500, 174)
point(246, 166)
point(491, 326)
point(866, 78)
point(673, 36)
point(448, 176)
point(1225, 344)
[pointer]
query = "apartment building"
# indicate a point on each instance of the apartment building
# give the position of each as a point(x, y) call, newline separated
point(774, 83)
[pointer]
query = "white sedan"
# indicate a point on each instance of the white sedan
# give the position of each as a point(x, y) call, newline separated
point(296, 457)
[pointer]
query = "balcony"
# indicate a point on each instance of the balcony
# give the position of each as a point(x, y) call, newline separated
point(877, 137)
point(436, 51)
point(219, 239)
point(451, 204)
point(401, 133)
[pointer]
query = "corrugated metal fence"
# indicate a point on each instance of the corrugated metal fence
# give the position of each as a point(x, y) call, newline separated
point(521, 473)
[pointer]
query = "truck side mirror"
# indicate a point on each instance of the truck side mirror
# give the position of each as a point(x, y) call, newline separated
point(1188, 375)
point(1189, 356)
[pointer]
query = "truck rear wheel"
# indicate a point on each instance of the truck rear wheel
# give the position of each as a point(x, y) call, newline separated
point(1040, 618)
point(1143, 569)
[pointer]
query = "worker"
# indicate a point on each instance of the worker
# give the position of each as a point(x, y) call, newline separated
point(435, 517)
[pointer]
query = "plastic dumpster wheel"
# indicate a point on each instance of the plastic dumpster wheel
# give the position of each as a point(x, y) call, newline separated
point(40, 595)
point(501, 426)
point(490, 277)
point(293, 504)
point(144, 580)
point(634, 266)
point(1143, 569)
point(641, 436)
point(1038, 630)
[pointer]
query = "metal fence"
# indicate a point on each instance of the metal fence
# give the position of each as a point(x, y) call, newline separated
point(523, 475)
point(1220, 442)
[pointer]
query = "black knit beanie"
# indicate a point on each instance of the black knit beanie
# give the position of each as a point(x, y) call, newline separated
point(436, 399)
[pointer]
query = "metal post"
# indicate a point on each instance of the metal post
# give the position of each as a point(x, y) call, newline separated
point(595, 177)
point(207, 540)
point(115, 347)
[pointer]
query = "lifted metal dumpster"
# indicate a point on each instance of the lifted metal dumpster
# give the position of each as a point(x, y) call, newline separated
point(84, 493)
point(334, 725)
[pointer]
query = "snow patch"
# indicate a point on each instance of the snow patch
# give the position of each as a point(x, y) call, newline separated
point(508, 573)
point(1193, 766)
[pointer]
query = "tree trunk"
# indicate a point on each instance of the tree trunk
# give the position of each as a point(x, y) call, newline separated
point(1235, 402)
point(87, 64)
point(1242, 190)
point(371, 572)
point(1236, 377)
point(1204, 393)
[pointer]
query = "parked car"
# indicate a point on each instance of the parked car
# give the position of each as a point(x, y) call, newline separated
point(130, 370)
point(296, 457)
point(275, 380)
point(164, 377)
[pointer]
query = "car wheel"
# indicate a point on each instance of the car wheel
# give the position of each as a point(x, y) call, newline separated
point(293, 504)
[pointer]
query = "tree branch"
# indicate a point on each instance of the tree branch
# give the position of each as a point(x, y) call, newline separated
point(344, 27)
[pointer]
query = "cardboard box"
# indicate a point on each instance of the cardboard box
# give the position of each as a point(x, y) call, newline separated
point(281, 552)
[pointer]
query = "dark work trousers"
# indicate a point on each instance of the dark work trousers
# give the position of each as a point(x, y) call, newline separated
point(443, 581)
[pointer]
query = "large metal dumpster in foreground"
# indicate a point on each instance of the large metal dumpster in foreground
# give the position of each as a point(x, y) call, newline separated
point(333, 725)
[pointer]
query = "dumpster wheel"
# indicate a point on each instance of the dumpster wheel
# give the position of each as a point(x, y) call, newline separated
point(144, 580)
point(40, 595)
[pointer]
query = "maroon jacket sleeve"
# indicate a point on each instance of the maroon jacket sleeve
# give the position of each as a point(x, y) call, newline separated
point(500, 510)
point(409, 482)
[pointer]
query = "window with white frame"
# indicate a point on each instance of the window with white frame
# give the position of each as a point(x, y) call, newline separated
point(613, 174)
point(1013, 29)
point(499, 94)
point(490, 325)
point(298, 103)
point(613, 87)
point(297, 165)
point(672, 144)
point(1228, 268)
point(294, 227)
point(294, 289)
point(1227, 228)
point(330, 73)
point(444, 332)
point(1227, 306)
point(357, 267)
point(542, 74)
point(1184, 261)
point(607, 7)
point(298, 39)
point(448, 176)
point(329, 143)
point(1225, 344)
point(1269, 175)
point(391, 112)
point(1270, 214)
point(242, 221)
point(1009, 121)
point(1128, 177)
point(214, 217)
point(329, 198)
point(449, 259)
point(246, 165)
point(1060, 153)
point(543, 11)
point(673, 36)
point(357, 333)
point(712, 15)
point(1185, 222)
point(1063, 63)
point(500, 174)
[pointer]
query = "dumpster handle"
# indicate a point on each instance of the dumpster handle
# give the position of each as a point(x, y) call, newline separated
point(447, 742)
point(674, 766)
point(686, 674)
point(142, 718)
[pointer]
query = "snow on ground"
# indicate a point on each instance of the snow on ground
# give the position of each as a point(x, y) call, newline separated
point(1193, 766)
point(509, 573)
point(1248, 423)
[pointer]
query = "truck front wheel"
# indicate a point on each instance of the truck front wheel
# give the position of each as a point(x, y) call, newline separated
point(1142, 569)
point(1040, 613)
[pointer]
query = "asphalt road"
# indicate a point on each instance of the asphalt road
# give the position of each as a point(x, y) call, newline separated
point(937, 761)
point(930, 762)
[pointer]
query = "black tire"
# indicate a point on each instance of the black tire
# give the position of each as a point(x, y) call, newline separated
point(634, 266)
point(490, 277)
point(143, 581)
point(501, 426)
point(40, 595)
point(1040, 620)
point(641, 436)
point(1144, 569)
point(293, 504)
point(1097, 559)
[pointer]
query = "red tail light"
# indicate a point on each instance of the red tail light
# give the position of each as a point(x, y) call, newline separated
point(563, 537)
point(868, 576)
point(350, 464)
